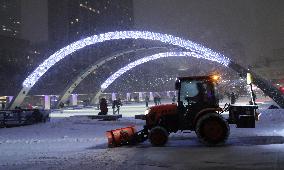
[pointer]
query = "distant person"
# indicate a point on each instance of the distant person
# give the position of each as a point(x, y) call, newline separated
point(200, 97)
point(3, 105)
point(103, 107)
point(159, 100)
point(136, 99)
point(113, 106)
point(119, 102)
point(86, 102)
point(174, 99)
point(30, 106)
point(110, 100)
point(156, 100)
point(233, 98)
point(147, 100)
point(116, 106)
point(68, 102)
point(61, 105)
point(18, 108)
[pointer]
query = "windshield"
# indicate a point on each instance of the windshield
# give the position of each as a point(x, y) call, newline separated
point(188, 90)
point(197, 92)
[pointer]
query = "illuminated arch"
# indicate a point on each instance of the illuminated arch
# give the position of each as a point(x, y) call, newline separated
point(95, 66)
point(146, 35)
point(143, 60)
point(30, 81)
point(130, 66)
point(168, 39)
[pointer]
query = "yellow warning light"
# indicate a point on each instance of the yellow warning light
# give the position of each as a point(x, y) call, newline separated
point(215, 77)
point(249, 78)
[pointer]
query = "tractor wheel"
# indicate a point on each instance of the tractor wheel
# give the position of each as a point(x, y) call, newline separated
point(158, 136)
point(212, 129)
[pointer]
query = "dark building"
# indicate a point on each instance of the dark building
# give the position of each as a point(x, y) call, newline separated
point(16, 53)
point(18, 39)
point(38, 28)
point(14, 57)
point(10, 18)
point(71, 20)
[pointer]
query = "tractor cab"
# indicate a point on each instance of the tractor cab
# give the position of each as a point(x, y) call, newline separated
point(196, 92)
point(194, 95)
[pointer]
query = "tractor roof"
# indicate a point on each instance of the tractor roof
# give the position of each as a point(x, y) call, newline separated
point(208, 78)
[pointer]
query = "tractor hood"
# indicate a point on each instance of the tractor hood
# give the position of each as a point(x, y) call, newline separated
point(155, 113)
point(165, 108)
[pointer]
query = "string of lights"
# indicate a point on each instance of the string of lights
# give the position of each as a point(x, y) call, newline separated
point(120, 35)
point(130, 66)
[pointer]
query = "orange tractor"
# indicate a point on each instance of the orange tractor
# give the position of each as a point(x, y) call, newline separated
point(197, 109)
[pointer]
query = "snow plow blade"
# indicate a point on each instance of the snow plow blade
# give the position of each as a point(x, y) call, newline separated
point(126, 136)
point(121, 136)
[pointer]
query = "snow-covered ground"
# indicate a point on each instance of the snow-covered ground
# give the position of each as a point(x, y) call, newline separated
point(80, 142)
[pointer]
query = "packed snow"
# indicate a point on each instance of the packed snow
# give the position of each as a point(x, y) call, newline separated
point(79, 142)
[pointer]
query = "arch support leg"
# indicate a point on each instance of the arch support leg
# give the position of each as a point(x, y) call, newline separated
point(265, 85)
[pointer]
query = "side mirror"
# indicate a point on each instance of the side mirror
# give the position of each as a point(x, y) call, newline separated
point(177, 85)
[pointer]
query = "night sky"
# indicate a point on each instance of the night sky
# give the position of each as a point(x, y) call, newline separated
point(245, 30)
point(249, 32)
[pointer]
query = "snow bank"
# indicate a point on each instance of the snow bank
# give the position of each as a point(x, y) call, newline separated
point(272, 115)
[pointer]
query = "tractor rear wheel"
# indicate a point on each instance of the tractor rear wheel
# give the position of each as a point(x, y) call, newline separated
point(158, 136)
point(212, 129)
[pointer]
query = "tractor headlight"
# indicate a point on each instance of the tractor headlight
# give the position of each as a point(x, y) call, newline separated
point(147, 111)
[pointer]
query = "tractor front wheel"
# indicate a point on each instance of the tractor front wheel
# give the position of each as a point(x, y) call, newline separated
point(212, 129)
point(158, 136)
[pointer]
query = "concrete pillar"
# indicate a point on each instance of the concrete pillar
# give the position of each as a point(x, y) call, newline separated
point(47, 102)
point(9, 98)
point(8, 101)
point(168, 94)
point(140, 94)
point(151, 96)
point(113, 96)
point(74, 100)
point(128, 96)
